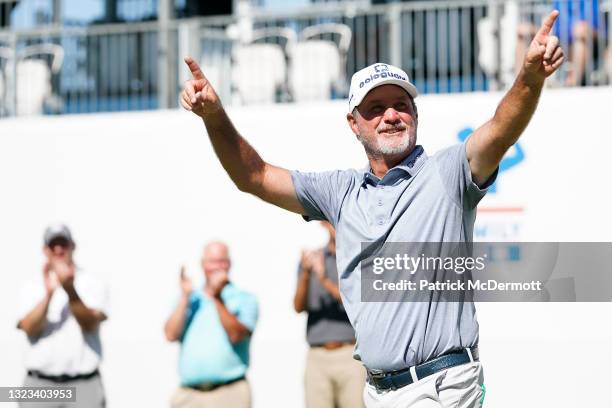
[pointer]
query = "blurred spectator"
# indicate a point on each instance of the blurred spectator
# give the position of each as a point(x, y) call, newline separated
point(61, 315)
point(6, 8)
point(333, 378)
point(579, 29)
point(578, 26)
point(214, 326)
point(525, 33)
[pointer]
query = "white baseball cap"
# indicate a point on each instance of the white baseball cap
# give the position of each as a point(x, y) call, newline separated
point(57, 231)
point(363, 81)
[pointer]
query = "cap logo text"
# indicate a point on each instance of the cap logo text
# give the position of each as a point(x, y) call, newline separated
point(383, 73)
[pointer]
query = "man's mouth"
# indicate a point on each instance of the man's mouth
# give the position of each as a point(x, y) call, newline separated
point(392, 131)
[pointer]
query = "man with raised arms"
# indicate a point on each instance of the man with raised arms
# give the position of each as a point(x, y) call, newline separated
point(416, 354)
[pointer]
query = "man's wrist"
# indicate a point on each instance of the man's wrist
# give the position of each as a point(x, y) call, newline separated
point(213, 295)
point(49, 295)
point(214, 114)
point(328, 284)
point(217, 298)
point(70, 291)
point(68, 284)
point(531, 80)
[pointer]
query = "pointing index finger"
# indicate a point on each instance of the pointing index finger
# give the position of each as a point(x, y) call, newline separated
point(194, 68)
point(547, 26)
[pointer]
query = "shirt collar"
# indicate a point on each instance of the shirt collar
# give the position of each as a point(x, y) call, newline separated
point(410, 166)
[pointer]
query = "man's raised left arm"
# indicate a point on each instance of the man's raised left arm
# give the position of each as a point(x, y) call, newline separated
point(487, 146)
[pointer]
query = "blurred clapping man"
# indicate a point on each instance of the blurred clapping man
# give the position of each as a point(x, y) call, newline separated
point(214, 326)
point(61, 315)
point(333, 378)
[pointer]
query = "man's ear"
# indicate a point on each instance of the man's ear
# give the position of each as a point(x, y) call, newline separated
point(350, 118)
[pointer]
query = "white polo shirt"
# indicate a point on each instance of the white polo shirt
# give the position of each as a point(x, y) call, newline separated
point(62, 347)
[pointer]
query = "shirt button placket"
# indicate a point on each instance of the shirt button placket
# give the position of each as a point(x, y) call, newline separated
point(380, 212)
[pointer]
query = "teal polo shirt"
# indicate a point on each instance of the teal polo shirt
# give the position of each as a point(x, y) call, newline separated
point(207, 355)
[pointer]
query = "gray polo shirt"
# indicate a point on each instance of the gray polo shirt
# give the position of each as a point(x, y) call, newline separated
point(327, 320)
point(423, 199)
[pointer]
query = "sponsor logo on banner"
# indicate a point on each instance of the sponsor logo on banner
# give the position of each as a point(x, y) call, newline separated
point(499, 222)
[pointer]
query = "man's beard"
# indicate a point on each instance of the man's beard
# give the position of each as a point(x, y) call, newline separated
point(387, 147)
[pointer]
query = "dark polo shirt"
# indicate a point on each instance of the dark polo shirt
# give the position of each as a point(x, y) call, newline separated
point(327, 320)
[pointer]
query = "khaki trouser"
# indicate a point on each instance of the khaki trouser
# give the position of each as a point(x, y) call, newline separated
point(235, 395)
point(89, 393)
point(456, 387)
point(333, 378)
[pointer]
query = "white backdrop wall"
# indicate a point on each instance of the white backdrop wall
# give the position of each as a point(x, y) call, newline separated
point(143, 192)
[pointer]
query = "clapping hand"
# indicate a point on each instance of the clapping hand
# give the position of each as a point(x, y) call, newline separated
point(64, 271)
point(216, 282)
point(50, 279)
point(313, 261)
point(318, 264)
point(185, 282)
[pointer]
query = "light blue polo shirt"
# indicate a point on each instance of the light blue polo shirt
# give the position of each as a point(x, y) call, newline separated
point(423, 199)
point(207, 355)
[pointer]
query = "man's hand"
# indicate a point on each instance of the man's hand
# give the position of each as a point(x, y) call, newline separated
point(198, 96)
point(50, 279)
point(64, 272)
point(313, 262)
point(186, 285)
point(243, 164)
point(306, 261)
point(216, 283)
point(175, 325)
point(544, 55)
point(318, 264)
point(487, 146)
point(88, 319)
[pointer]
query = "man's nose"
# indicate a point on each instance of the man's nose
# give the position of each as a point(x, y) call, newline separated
point(391, 116)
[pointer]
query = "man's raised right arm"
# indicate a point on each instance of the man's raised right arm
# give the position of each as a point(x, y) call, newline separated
point(242, 163)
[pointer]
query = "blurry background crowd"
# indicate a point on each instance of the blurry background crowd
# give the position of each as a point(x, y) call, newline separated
point(73, 56)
